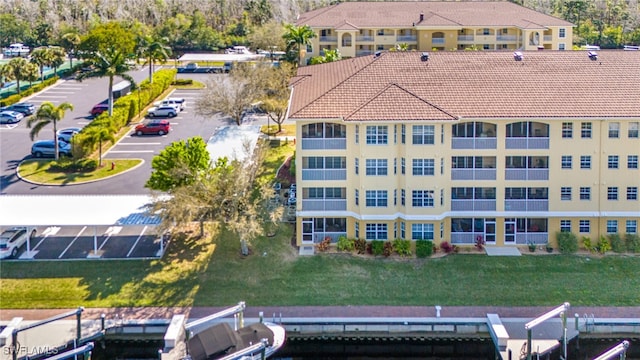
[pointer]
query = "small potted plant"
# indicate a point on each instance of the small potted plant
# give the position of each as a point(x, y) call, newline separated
point(532, 246)
point(549, 248)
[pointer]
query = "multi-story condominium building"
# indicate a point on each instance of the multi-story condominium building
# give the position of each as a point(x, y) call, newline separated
point(508, 148)
point(362, 28)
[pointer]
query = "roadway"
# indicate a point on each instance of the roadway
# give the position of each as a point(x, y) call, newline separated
point(15, 144)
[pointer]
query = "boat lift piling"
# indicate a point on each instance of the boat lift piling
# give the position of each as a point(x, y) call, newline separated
point(619, 351)
point(560, 310)
point(197, 325)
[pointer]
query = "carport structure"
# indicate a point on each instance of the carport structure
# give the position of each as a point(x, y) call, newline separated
point(93, 211)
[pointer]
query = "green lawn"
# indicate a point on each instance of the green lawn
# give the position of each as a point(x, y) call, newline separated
point(38, 171)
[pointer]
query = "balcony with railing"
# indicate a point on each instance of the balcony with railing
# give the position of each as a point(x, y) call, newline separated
point(437, 41)
point(473, 174)
point(473, 204)
point(526, 174)
point(527, 135)
point(526, 205)
point(506, 38)
point(527, 142)
point(324, 136)
point(364, 38)
point(466, 38)
point(407, 38)
point(548, 38)
point(364, 52)
point(537, 238)
point(331, 39)
point(321, 235)
point(465, 238)
point(474, 143)
point(324, 204)
point(324, 174)
point(324, 144)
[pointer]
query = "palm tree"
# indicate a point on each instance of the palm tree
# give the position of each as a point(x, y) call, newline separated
point(70, 42)
point(57, 58)
point(19, 69)
point(96, 133)
point(48, 113)
point(6, 74)
point(298, 37)
point(32, 73)
point(41, 56)
point(151, 50)
point(112, 63)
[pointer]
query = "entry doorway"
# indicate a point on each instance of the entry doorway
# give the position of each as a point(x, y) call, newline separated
point(307, 231)
point(509, 231)
point(490, 231)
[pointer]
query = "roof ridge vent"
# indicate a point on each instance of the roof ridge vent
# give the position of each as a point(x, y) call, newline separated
point(518, 56)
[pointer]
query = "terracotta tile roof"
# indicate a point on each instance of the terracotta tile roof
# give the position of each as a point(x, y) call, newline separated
point(436, 13)
point(464, 84)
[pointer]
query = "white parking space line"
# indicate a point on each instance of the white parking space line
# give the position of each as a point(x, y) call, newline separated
point(61, 92)
point(141, 144)
point(49, 96)
point(71, 243)
point(137, 240)
point(8, 126)
point(50, 231)
point(129, 151)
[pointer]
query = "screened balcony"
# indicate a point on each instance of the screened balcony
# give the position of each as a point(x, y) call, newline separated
point(473, 168)
point(474, 135)
point(527, 168)
point(324, 168)
point(526, 199)
point(324, 199)
point(527, 135)
point(320, 136)
point(473, 199)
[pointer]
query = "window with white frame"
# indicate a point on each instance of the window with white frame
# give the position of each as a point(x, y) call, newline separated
point(376, 198)
point(585, 226)
point(395, 197)
point(423, 134)
point(565, 193)
point(402, 197)
point(402, 166)
point(631, 226)
point(376, 231)
point(614, 130)
point(632, 161)
point(357, 196)
point(402, 230)
point(403, 133)
point(376, 167)
point(422, 231)
point(441, 134)
point(612, 162)
point(356, 163)
point(395, 166)
point(562, 33)
point(562, 46)
point(395, 134)
point(377, 135)
point(565, 225)
point(585, 130)
point(612, 193)
point(441, 166)
point(612, 226)
point(423, 167)
point(395, 230)
point(357, 134)
point(567, 130)
point(585, 193)
point(441, 229)
point(567, 161)
point(356, 229)
point(441, 197)
point(585, 162)
point(632, 193)
point(422, 198)
point(634, 130)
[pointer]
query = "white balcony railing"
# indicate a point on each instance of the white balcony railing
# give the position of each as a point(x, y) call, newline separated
point(526, 174)
point(473, 205)
point(473, 174)
point(324, 204)
point(407, 38)
point(538, 238)
point(319, 236)
point(526, 205)
point(474, 143)
point(364, 38)
point(324, 143)
point(506, 38)
point(527, 143)
point(465, 38)
point(438, 41)
point(328, 39)
point(324, 174)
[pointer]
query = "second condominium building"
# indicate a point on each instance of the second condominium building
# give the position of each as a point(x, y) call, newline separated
point(509, 148)
point(362, 27)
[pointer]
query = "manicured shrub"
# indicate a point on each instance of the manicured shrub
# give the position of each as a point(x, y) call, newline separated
point(603, 245)
point(424, 248)
point(323, 245)
point(617, 245)
point(446, 247)
point(586, 242)
point(345, 244)
point(402, 247)
point(71, 166)
point(387, 249)
point(567, 242)
point(377, 247)
point(182, 82)
point(632, 242)
point(360, 246)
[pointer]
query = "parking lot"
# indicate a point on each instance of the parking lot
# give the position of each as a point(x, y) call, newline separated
point(99, 242)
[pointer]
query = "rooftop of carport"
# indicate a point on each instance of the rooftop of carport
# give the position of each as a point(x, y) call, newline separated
point(69, 210)
point(218, 57)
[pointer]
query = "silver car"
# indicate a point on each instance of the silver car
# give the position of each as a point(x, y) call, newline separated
point(10, 117)
point(162, 111)
point(11, 240)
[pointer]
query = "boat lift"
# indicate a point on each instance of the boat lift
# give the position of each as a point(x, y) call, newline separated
point(560, 310)
point(196, 326)
point(619, 351)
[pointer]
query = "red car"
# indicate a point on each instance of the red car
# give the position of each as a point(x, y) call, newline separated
point(159, 127)
point(99, 109)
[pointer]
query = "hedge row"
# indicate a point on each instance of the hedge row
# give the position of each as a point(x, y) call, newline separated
point(10, 100)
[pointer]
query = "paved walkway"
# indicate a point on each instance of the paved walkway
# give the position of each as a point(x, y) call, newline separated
point(326, 311)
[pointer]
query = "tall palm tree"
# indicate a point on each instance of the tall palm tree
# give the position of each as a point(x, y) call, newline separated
point(57, 58)
point(112, 63)
point(48, 113)
point(152, 49)
point(6, 74)
point(32, 73)
point(70, 42)
point(19, 68)
point(298, 38)
point(98, 132)
point(41, 56)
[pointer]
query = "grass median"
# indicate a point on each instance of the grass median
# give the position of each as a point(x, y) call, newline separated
point(39, 171)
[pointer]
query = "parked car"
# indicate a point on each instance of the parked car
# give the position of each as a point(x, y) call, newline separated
point(24, 108)
point(99, 109)
point(12, 239)
point(10, 117)
point(162, 111)
point(159, 127)
point(43, 148)
point(178, 103)
point(66, 134)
